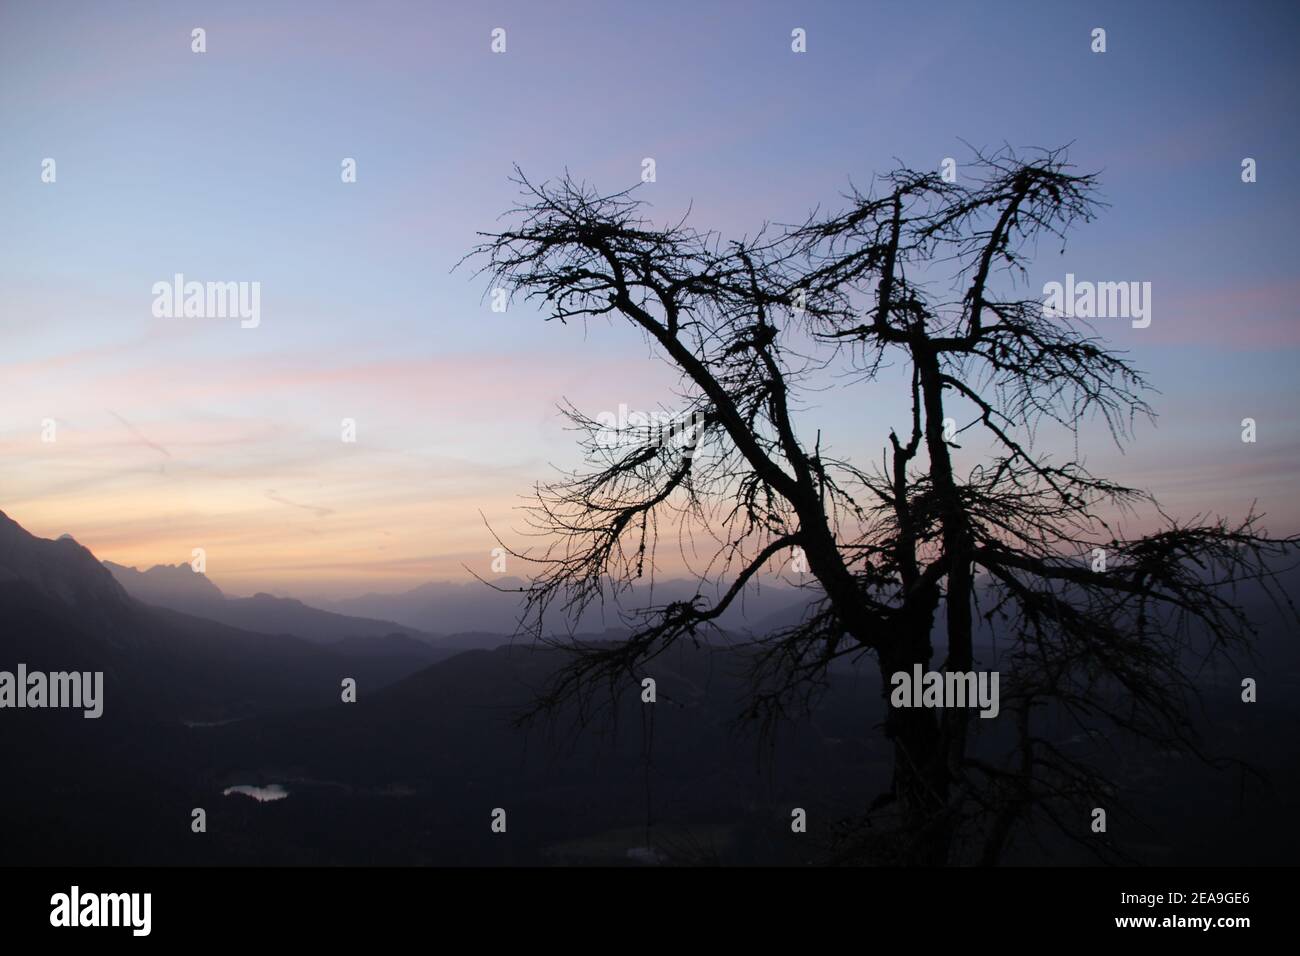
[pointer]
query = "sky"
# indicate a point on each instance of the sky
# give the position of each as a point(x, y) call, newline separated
point(176, 433)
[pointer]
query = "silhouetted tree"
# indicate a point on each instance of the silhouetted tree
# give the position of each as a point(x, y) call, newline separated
point(910, 270)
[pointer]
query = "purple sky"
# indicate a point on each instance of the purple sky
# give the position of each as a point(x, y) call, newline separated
point(177, 433)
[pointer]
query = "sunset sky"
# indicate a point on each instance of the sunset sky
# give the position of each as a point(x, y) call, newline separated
point(177, 433)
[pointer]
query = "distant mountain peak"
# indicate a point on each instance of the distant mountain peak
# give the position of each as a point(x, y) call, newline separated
point(60, 568)
point(180, 588)
point(164, 584)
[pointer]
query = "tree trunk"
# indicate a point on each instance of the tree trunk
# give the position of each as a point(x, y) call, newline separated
point(920, 776)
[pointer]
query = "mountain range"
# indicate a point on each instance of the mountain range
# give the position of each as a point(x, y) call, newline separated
point(180, 588)
point(200, 714)
point(448, 607)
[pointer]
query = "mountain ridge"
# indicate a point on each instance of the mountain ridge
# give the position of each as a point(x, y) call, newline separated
point(180, 588)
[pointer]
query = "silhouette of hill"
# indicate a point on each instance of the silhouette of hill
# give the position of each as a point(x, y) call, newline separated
point(411, 771)
point(180, 588)
point(447, 607)
point(65, 611)
point(60, 569)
